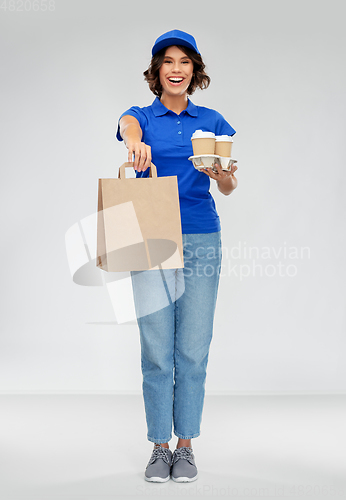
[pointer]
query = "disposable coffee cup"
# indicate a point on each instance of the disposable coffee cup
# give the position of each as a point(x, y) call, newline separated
point(203, 143)
point(223, 145)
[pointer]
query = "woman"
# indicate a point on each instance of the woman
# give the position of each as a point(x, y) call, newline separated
point(175, 339)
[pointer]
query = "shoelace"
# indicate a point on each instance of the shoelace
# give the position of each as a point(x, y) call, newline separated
point(159, 452)
point(185, 453)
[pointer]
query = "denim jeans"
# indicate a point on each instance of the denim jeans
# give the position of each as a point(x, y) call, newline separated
point(175, 313)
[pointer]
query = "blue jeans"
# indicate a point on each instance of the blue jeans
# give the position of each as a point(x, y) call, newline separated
point(175, 313)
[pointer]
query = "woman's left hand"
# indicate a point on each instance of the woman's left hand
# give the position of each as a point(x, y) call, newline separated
point(226, 181)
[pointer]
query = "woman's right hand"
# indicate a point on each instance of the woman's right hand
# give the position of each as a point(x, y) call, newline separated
point(131, 132)
point(140, 154)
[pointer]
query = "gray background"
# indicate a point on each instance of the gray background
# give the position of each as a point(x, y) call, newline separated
point(278, 76)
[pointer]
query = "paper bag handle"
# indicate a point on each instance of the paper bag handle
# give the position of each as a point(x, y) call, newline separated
point(121, 175)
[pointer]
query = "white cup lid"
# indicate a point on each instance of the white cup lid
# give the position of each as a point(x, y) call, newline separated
point(199, 134)
point(223, 138)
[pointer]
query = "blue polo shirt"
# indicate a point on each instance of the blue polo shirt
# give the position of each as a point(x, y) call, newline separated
point(169, 136)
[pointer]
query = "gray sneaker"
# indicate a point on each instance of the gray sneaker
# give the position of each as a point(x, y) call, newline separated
point(159, 465)
point(184, 469)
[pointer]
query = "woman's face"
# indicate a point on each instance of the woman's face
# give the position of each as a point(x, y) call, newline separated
point(176, 72)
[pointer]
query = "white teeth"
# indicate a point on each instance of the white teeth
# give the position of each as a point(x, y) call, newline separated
point(176, 80)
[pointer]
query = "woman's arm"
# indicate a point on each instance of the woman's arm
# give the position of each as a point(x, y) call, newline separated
point(131, 132)
point(226, 182)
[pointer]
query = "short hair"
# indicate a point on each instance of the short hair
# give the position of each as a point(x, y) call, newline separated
point(199, 78)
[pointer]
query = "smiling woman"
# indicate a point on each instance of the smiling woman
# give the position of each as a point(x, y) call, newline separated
point(175, 340)
point(199, 78)
point(175, 75)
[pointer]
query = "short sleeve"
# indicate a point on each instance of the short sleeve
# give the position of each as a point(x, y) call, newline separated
point(222, 126)
point(137, 112)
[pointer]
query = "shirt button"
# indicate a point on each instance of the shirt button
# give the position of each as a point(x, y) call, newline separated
point(178, 123)
point(179, 132)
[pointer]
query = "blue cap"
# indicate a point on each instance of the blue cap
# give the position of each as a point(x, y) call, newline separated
point(175, 37)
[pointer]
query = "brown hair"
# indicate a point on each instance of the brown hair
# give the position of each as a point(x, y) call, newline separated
point(199, 78)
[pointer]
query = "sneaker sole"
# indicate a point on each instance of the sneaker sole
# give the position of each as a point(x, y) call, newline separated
point(157, 479)
point(184, 479)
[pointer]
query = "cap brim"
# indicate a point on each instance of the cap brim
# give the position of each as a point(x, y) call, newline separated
point(168, 42)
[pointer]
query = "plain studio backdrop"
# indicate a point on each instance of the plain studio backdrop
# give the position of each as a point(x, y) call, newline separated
point(278, 76)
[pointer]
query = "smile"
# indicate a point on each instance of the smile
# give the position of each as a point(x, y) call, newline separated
point(176, 80)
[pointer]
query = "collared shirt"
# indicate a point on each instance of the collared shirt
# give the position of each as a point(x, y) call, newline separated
point(169, 136)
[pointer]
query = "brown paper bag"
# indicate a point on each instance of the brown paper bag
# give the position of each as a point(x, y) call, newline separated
point(138, 223)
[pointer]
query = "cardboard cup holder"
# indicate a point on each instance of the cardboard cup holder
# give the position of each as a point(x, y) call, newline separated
point(207, 161)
